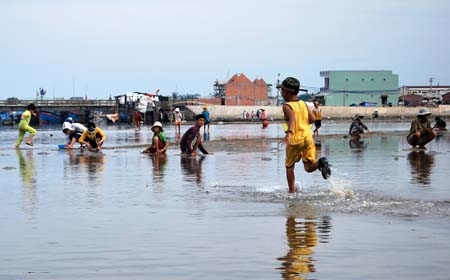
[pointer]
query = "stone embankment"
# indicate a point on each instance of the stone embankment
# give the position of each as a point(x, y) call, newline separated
point(234, 113)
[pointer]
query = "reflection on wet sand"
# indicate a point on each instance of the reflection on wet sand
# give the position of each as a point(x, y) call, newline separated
point(95, 162)
point(192, 167)
point(356, 144)
point(28, 175)
point(177, 139)
point(137, 136)
point(302, 237)
point(421, 166)
point(159, 163)
point(26, 168)
point(206, 136)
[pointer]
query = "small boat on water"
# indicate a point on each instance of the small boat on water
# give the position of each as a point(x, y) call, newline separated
point(9, 119)
point(51, 118)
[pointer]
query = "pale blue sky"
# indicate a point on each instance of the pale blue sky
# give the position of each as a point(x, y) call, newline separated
point(105, 47)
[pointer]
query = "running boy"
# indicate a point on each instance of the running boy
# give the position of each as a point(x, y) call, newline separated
point(299, 140)
point(24, 126)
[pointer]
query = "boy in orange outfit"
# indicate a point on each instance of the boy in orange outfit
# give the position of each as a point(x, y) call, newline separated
point(299, 140)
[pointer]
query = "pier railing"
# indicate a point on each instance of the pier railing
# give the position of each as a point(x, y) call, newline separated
point(59, 102)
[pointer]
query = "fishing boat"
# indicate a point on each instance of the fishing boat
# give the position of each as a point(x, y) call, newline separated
point(49, 118)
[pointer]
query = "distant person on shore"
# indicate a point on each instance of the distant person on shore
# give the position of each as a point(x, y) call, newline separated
point(357, 127)
point(178, 118)
point(375, 115)
point(263, 117)
point(421, 132)
point(205, 114)
point(299, 139)
point(317, 111)
point(93, 137)
point(24, 126)
point(192, 138)
point(74, 131)
point(159, 141)
point(137, 118)
point(440, 124)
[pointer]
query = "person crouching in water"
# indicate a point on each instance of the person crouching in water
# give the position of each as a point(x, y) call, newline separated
point(74, 131)
point(187, 144)
point(421, 132)
point(159, 141)
point(299, 139)
point(93, 137)
point(357, 127)
point(440, 124)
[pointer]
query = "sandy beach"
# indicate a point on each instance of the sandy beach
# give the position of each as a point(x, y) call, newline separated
point(121, 214)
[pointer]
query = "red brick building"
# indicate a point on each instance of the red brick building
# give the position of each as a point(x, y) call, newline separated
point(240, 90)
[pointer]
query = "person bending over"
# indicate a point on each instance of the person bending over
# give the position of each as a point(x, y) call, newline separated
point(421, 132)
point(192, 138)
point(93, 137)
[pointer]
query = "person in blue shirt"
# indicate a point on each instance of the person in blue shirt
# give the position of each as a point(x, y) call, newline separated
point(205, 114)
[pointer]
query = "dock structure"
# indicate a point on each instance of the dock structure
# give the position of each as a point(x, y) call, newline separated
point(84, 109)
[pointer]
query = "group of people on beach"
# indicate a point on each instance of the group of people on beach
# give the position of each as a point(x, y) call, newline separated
point(420, 133)
point(300, 145)
point(191, 141)
point(298, 136)
point(90, 137)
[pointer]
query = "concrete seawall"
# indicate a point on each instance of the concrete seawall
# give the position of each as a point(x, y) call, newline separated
point(234, 113)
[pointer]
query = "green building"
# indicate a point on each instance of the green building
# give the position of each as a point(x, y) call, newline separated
point(359, 88)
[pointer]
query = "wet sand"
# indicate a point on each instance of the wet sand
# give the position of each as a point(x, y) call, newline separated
point(121, 214)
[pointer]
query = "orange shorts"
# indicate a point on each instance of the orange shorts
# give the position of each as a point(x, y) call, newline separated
point(305, 151)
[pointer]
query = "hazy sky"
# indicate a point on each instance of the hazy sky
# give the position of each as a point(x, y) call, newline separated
point(98, 47)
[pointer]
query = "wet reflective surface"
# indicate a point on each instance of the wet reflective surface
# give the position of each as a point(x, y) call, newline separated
point(121, 214)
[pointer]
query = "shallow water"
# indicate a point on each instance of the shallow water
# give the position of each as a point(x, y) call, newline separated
point(121, 214)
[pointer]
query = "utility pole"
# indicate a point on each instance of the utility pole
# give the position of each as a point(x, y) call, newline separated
point(430, 96)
